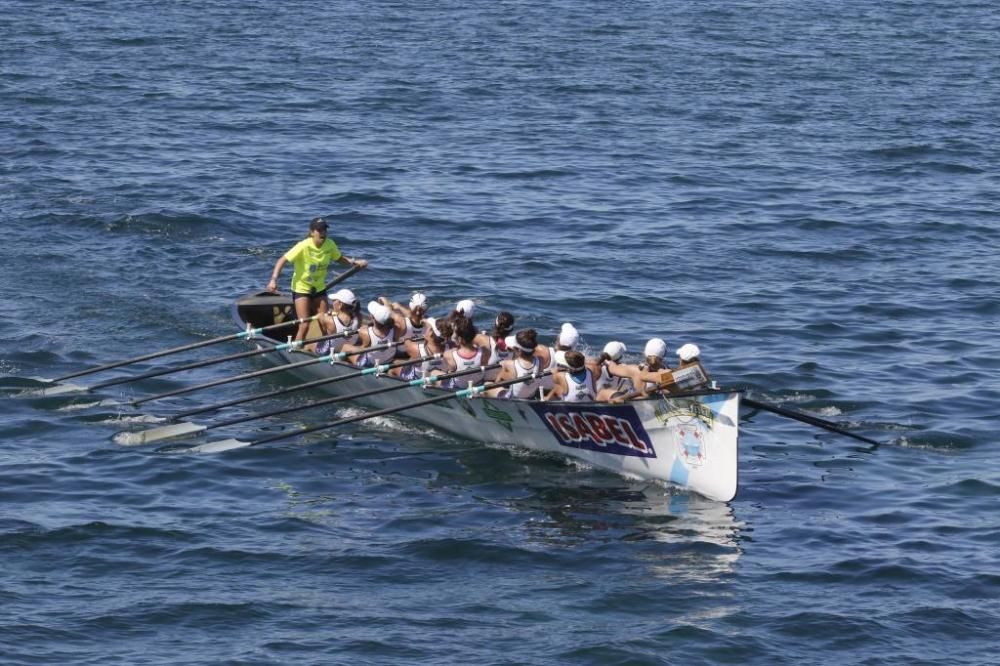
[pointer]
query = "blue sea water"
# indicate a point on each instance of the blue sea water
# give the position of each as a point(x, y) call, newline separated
point(806, 190)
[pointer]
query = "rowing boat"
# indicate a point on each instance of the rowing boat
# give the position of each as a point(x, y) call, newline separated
point(688, 440)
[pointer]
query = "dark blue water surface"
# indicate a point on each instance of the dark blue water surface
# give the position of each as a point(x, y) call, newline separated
point(807, 190)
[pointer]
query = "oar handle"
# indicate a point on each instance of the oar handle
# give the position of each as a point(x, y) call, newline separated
point(343, 276)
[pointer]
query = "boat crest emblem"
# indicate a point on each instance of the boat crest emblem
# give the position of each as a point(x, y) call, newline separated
point(690, 444)
point(684, 411)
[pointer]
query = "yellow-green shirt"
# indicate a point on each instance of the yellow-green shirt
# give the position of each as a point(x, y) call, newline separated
point(310, 264)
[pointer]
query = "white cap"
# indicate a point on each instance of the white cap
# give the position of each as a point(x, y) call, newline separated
point(466, 307)
point(688, 352)
point(511, 343)
point(433, 325)
point(344, 296)
point(615, 350)
point(656, 347)
point(379, 312)
point(568, 335)
point(418, 300)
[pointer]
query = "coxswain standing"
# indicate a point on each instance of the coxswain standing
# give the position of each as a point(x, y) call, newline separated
point(310, 257)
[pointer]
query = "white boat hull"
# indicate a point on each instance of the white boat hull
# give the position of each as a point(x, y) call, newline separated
point(688, 441)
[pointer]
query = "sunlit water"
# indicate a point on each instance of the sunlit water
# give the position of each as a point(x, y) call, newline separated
point(808, 191)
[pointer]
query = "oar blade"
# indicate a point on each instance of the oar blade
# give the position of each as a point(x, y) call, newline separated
point(219, 446)
point(159, 434)
point(808, 419)
point(58, 389)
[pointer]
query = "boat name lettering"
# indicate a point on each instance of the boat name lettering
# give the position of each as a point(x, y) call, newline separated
point(614, 430)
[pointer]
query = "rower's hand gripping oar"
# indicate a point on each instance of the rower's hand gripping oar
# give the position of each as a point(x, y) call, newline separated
point(229, 444)
point(807, 418)
point(63, 389)
point(188, 428)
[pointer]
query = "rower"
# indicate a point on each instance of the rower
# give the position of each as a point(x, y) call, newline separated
point(644, 377)
point(410, 319)
point(466, 356)
point(523, 364)
point(655, 350)
point(551, 356)
point(612, 377)
point(380, 330)
point(434, 344)
point(341, 316)
point(689, 375)
point(573, 382)
point(495, 341)
point(464, 309)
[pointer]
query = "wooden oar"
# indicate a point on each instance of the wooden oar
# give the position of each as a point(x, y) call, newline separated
point(376, 370)
point(188, 428)
point(229, 444)
point(325, 358)
point(63, 389)
point(807, 418)
point(343, 276)
point(249, 333)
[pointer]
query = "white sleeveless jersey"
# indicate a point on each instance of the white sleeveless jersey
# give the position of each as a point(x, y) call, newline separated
point(466, 364)
point(546, 381)
point(578, 387)
point(528, 389)
point(606, 380)
point(424, 369)
point(336, 344)
point(430, 364)
point(413, 331)
point(496, 356)
point(379, 356)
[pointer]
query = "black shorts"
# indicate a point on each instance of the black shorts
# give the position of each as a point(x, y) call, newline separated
point(296, 295)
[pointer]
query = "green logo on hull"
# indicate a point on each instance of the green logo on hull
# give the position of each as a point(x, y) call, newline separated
point(498, 415)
